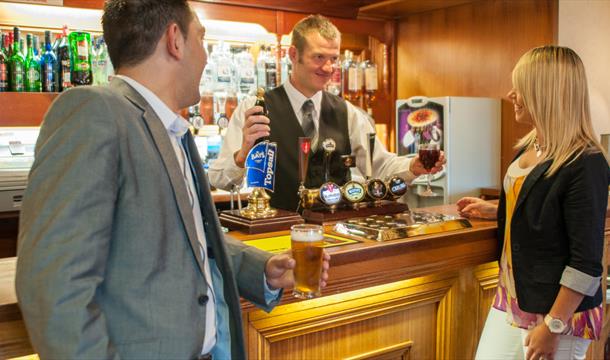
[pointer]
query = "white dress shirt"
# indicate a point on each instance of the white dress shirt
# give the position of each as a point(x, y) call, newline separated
point(224, 172)
point(176, 127)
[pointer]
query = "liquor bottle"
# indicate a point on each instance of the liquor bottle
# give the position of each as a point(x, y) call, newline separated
point(17, 65)
point(63, 61)
point(80, 58)
point(22, 46)
point(370, 84)
point(224, 68)
point(347, 62)
point(286, 66)
point(270, 70)
point(246, 73)
point(9, 45)
point(334, 84)
point(36, 45)
point(48, 64)
point(104, 65)
point(4, 73)
point(261, 78)
point(32, 68)
point(354, 82)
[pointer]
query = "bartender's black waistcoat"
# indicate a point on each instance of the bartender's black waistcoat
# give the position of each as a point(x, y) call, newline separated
point(286, 130)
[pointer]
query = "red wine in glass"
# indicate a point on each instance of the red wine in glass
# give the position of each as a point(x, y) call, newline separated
point(429, 154)
point(429, 157)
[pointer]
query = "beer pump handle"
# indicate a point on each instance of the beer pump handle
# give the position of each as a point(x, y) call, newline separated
point(260, 101)
point(369, 169)
point(304, 149)
point(329, 146)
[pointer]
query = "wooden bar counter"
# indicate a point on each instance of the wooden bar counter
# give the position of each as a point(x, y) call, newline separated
point(424, 297)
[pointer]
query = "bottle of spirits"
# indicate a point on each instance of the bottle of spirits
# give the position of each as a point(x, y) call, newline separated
point(286, 66)
point(80, 58)
point(32, 68)
point(270, 70)
point(345, 65)
point(261, 77)
point(370, 84)
point(36, 45)
point(17, 65)
point(4, 73)
point(246, 74)
point(354, 82)
point(48, 64)
point(105, 67)
point(334, 84)
point(63, 61)
point(224, 68)
point(9, 45)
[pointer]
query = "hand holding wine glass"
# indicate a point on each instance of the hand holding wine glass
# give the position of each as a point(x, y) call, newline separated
point(429, 155)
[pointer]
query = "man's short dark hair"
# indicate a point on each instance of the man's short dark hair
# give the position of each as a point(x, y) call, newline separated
point(132, 28)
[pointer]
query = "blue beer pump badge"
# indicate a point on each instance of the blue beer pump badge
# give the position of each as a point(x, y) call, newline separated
point(260, 165)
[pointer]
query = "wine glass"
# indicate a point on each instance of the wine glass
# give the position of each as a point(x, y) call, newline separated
point(429, 153)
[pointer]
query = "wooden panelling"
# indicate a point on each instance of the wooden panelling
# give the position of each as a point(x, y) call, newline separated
point(24, 109)
point(340, 8)
point(470, 49)
point(412, 317)
point(395, 9)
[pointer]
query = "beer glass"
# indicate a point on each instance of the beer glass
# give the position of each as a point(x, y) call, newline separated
point(306, 242)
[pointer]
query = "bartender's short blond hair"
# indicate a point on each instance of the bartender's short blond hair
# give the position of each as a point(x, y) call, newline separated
point(311, 23)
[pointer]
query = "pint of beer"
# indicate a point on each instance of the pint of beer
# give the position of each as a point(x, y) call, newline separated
point(306, 243)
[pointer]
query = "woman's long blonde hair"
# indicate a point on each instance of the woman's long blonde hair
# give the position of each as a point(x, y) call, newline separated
point(553, 84)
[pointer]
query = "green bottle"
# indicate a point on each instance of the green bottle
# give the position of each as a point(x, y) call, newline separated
point(32, 69)
point(4, 73)
point(17, 65)
point(80, 58)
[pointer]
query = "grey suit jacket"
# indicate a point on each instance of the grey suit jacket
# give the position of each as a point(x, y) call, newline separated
point(108, 260)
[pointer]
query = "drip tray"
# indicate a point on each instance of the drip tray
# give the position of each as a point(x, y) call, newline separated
point(400, 226)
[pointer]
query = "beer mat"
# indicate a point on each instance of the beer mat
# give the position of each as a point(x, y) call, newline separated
point(278, 244)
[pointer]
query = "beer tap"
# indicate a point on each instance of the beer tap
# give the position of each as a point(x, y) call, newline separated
point(330, 193)
point(376, 189)
point(304, 150)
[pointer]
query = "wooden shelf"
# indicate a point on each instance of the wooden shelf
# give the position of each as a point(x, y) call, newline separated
point(24, 109)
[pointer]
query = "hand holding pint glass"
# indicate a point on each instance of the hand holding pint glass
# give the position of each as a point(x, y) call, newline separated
point(306, 242)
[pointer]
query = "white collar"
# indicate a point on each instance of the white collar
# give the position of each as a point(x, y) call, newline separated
point(297, 98)
point(173, 123)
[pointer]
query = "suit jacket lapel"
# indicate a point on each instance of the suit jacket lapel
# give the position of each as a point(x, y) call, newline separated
point(530, 180)
point(167, 153)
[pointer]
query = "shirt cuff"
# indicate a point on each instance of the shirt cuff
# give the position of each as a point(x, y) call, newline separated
point(580, 281)
point(271, 296)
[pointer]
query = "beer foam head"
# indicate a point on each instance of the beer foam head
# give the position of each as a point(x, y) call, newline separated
point(306, 233)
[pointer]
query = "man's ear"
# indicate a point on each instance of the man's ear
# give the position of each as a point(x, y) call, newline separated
point(293, 53)
point(174, 41)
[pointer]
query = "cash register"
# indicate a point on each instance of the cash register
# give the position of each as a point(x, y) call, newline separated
point(16, 158)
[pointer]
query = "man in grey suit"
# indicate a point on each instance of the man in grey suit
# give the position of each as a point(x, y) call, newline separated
point(121, 254)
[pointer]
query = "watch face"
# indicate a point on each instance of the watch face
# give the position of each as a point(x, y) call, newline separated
point(556, 326)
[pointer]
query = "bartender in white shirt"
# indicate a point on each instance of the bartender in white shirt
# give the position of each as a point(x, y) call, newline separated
point(301, 107)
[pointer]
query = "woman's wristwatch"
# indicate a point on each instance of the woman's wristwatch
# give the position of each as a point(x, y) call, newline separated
point(555, 325)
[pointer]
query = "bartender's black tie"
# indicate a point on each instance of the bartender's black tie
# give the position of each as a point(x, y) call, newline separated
point(309, 128)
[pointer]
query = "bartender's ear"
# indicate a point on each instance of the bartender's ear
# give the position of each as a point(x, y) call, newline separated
point(174, 40)
point(293, 53)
